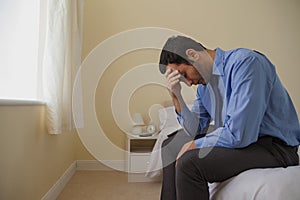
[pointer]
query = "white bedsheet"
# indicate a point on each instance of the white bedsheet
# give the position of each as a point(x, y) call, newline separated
point(168, 125)
point(260, 184)
point(155, 164)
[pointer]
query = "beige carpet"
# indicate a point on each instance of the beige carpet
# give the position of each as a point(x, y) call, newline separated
point(112, 185)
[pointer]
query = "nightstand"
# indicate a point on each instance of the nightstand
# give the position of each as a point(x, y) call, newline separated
point(139, 150)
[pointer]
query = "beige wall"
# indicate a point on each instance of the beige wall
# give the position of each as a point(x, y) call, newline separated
point(270, 26)
point(31, 159)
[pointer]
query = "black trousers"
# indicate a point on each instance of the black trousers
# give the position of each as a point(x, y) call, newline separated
point(189, 179)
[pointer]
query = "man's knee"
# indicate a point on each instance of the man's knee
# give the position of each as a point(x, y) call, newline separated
point(187, 161)
point(196, 160)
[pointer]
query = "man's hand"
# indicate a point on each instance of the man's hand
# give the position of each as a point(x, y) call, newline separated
point(186, 147)
point(173, 82)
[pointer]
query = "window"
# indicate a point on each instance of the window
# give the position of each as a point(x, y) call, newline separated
point(19, 35)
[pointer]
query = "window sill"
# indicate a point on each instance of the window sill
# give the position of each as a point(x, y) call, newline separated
point(20, 102)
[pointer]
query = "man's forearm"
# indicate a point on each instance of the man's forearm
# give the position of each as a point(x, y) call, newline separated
point(188, 119)
point(178, 101)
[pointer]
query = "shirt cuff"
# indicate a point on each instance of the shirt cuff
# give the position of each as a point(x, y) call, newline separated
point(210, 140)
point(199, 142)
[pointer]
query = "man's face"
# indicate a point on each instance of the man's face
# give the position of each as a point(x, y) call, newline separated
point(189, 72)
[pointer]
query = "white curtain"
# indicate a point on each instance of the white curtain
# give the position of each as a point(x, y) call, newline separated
point(62, 58)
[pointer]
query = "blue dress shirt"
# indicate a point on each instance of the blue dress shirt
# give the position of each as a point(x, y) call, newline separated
point(251, 102)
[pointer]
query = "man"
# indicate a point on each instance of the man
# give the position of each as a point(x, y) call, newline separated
point(256, 125)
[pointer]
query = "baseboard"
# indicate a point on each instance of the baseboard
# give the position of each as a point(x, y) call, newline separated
point(56, 189)
point(105, 165)
point(108, 165)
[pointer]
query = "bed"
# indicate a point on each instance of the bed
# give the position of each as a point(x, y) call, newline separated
point(254, 184)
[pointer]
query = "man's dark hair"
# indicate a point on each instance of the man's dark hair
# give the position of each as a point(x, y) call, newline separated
point(174, 50)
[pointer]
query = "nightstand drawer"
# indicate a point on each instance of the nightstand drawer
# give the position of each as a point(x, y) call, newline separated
point(139, 163)
point(138, 153)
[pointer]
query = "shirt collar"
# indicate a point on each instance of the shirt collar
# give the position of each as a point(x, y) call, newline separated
point(218, 67)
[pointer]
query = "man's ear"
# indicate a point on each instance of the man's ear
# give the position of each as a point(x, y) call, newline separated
point(192, 54)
